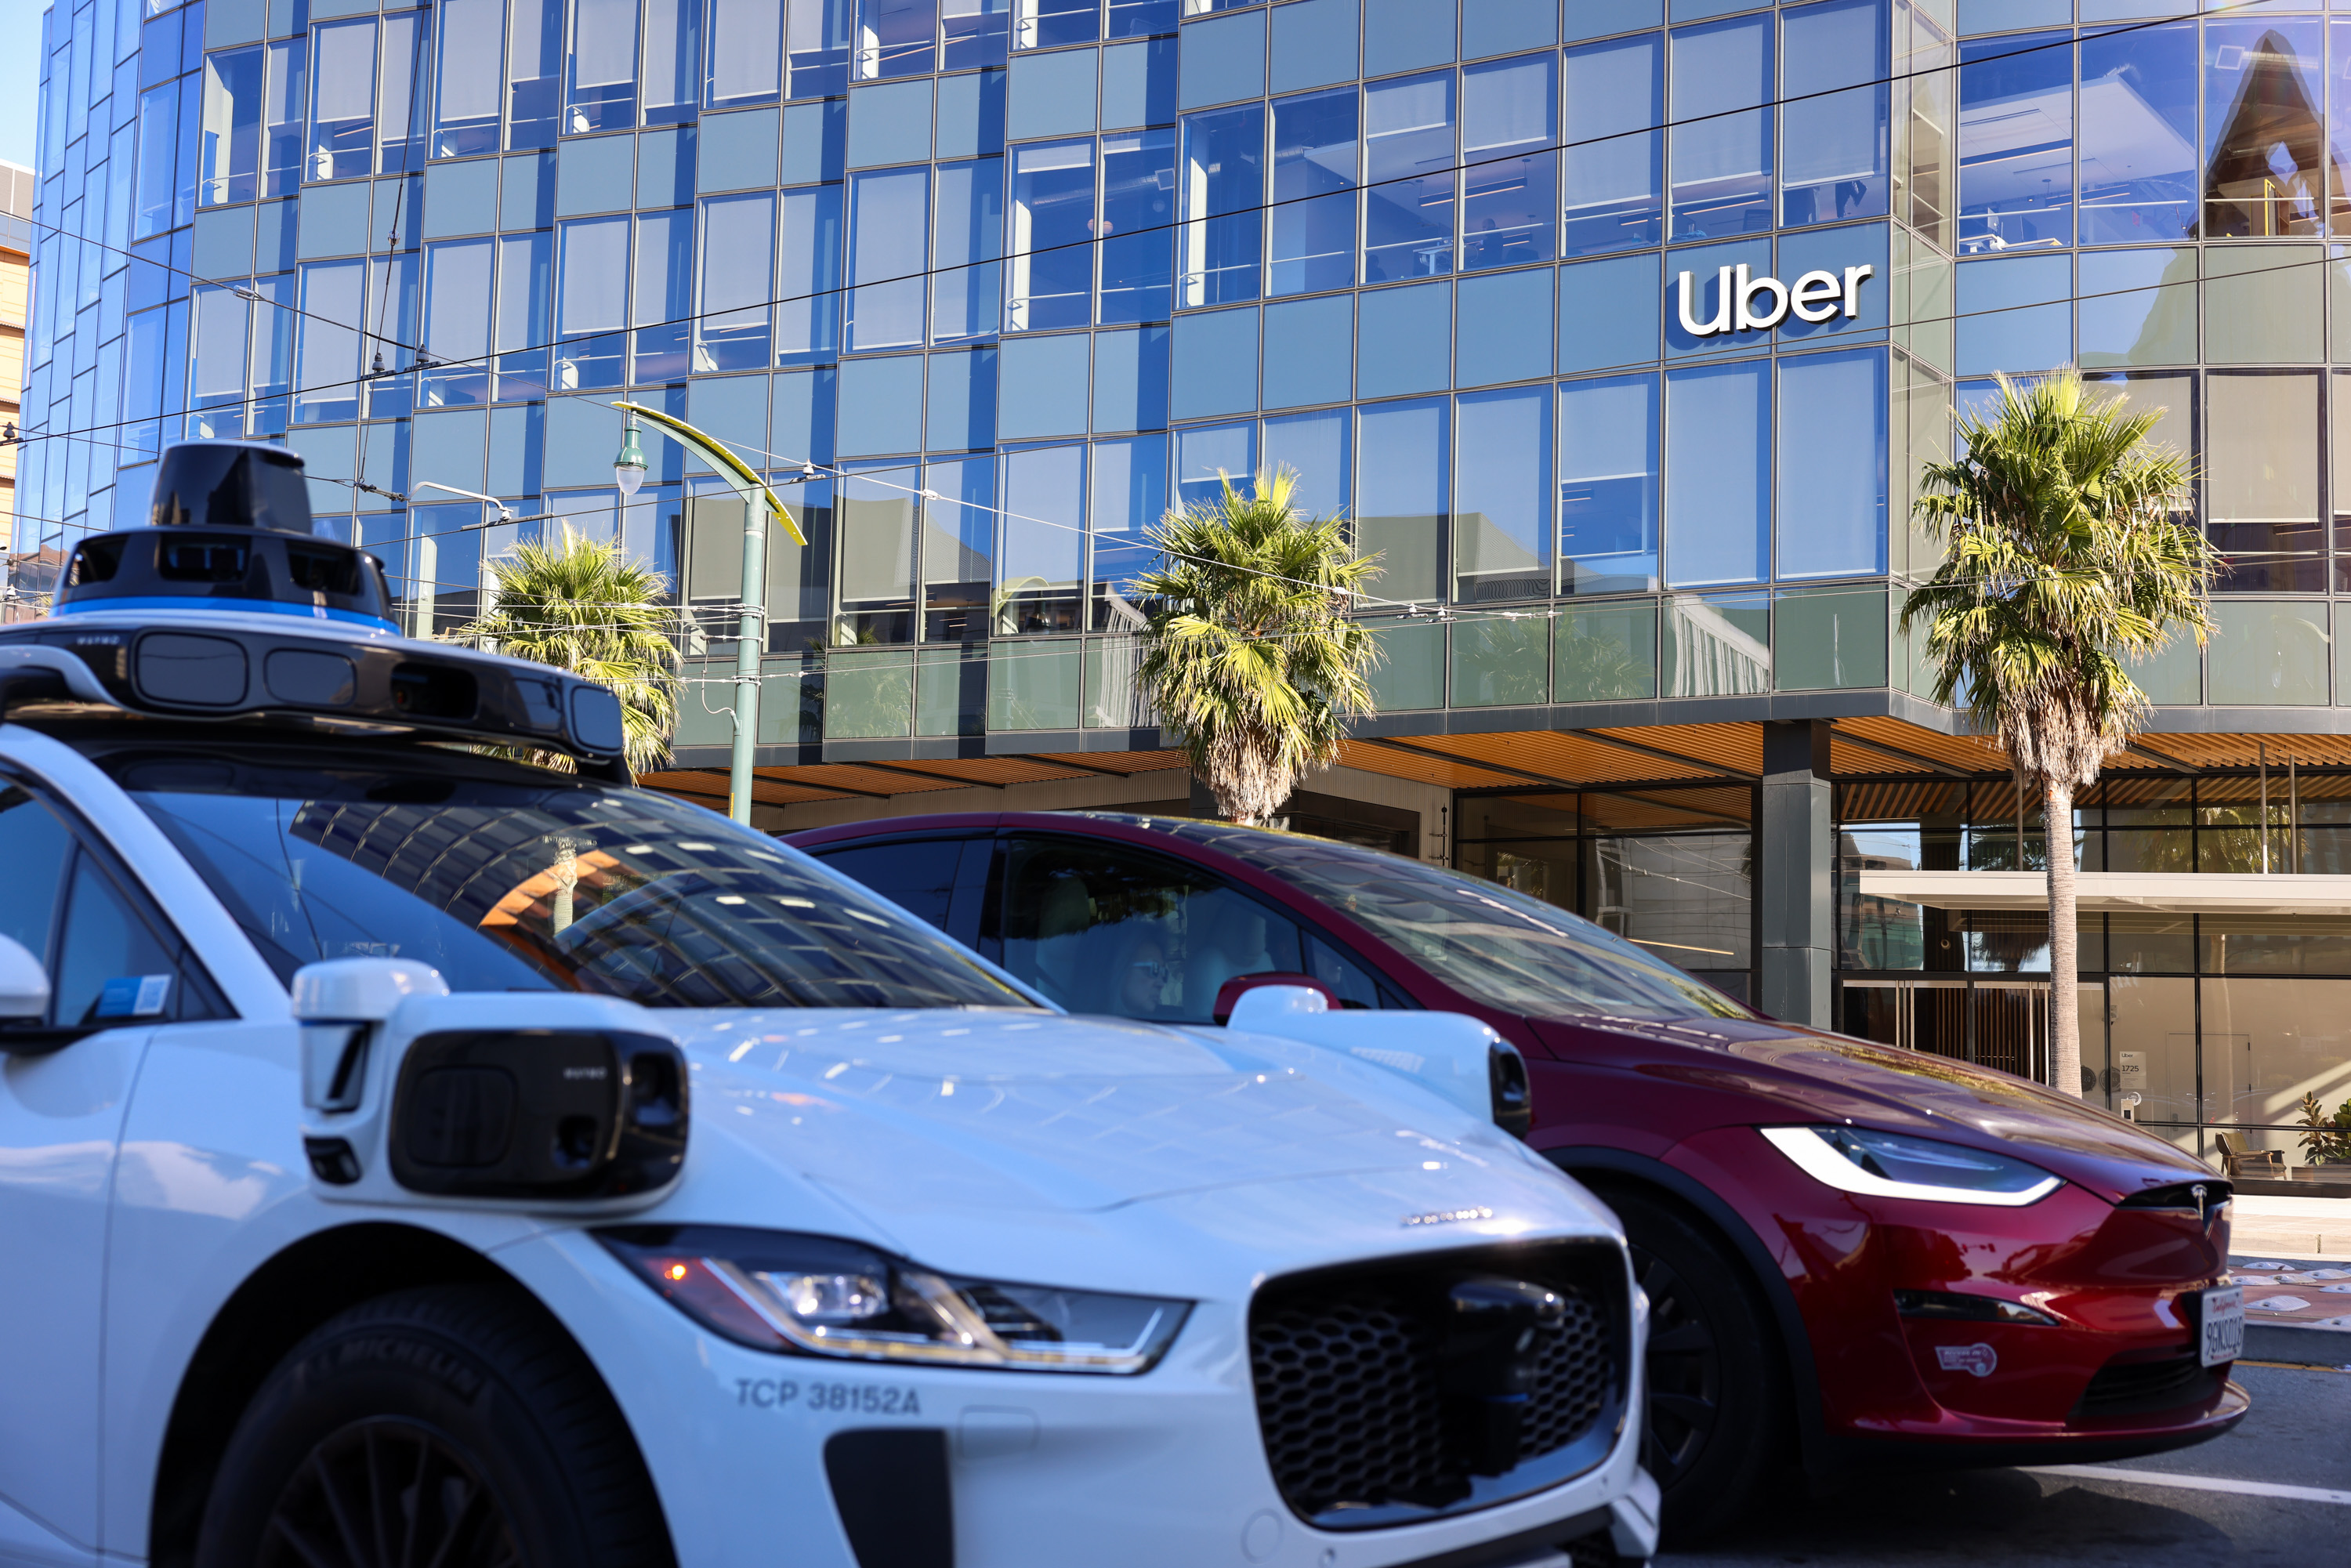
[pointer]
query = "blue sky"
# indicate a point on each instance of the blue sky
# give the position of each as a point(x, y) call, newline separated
point(20, 77)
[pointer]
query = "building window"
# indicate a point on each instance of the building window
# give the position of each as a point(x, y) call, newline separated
point(229, 154)
point(1223, 176)
point(602, 92)
point(888, 215)
point(1409, 215)
point(747, 53)
point(1314, 160)
point(1615, 96)
point(1723, 136)
point(738, 281)
point(1052, 222)
point(466, 77)
point(1835, 161)
point(1509, 182)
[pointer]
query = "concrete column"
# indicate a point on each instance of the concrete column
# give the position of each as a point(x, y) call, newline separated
point(1794, 858)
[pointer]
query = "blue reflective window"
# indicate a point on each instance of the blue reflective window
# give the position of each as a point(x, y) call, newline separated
point(328, 360)
point(1615, 158)
point(1138, 210)
point(222, 335)
point(962, 403)
point(1833, 464)
point(895, 38)
point(1835, 162)
point(1131, 379)
point(2016, 142)
point(1403, 478)
point(1503, 328)
point(816, 35)
point(1040, 559)
point(1048, 24)
point(1599, 19)
point(525, 289)
point(1402, 338)
point(1043, 381)
point(672, 61)
point(1721, 160)
point(1399, 35)
point(1717, 473)
point(1207, 455)
point(591, 302)
point(1409, 169)
point(281, 159)
point(343, 99)
point(967, 224)
point(1130, 493)
point(959, 548)
point(2138, 135)
point(661, 298)
point(746, 54)
point(1053, 228)
point(398, 132)
point(1223, 179)
point(1314, 159)
point(534, 71)
point(1309, 352)
point(1501, 503)
point(808, 281)
point(1510, 180)
point(2014, 314)
point(877, 548)
point(1139, 18)
point(2265, 149)
point(229, 155)
point(1319, 447)
point(738, 281)
point(601, 87)
point(972, 33)
point(467, 78)
point(888, 215)
point(1214, 359)
point(457, 296)
point(1608, 439)
point(1608, 313)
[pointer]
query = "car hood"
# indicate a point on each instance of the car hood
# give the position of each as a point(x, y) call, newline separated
point(999, 1111)
point(1780, 1073)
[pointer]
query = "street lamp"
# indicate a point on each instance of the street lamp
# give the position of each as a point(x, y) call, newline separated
point(428, 553)
point(759, 504)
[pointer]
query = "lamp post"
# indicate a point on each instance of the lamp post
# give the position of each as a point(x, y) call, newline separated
point(759, 503)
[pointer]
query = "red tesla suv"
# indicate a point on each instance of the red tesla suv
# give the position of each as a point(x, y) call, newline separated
point(1853, 1254)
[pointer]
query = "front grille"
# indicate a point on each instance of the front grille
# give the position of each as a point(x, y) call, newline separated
point(1360, 1430)
point(2142, 1387)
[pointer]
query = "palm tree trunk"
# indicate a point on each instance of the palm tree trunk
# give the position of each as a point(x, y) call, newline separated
point(2064, 1009)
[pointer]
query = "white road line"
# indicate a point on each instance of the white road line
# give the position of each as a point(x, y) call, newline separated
point(2195, 1483)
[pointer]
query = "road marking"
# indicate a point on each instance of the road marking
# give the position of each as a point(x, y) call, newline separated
point(2195, 1483)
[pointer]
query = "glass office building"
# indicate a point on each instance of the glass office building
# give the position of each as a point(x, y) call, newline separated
point(1619, 327)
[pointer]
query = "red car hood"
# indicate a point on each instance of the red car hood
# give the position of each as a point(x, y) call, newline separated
point(1785, 1075)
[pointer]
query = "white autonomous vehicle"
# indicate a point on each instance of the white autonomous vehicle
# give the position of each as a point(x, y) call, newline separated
point(413, 1153)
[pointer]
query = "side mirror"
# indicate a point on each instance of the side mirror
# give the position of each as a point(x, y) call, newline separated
point(24, 984)
point(337, 1000)
point(1229, 994)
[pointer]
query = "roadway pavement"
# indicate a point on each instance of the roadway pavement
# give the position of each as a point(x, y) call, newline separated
point(2276, 1492)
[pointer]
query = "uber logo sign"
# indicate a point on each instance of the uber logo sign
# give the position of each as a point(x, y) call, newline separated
point(1816, 296)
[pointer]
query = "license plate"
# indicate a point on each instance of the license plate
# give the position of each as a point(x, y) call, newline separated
point(2221, 1326)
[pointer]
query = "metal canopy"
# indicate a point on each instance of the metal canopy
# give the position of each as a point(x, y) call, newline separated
point(2153, 893)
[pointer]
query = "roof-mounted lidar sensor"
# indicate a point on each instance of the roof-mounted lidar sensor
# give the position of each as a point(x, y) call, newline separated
point(230, 530)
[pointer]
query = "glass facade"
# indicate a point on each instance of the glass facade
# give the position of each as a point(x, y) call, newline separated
point(1041, 271)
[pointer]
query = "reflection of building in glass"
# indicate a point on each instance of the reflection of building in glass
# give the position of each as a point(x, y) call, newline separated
point(2271, 156)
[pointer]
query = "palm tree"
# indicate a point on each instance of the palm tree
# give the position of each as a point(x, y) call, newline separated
point(1250, 659)
point(2069, 554)
point(588, 608)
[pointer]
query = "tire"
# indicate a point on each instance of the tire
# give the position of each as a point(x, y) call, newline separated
point(452, 1425)
point(1717, 1422)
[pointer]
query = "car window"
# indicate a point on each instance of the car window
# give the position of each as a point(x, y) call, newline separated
point(917, 875)
point(34, 846)
point(110, 964)
point(1335, 969)
point(505, 878)
point(1482, 939)
point(1101, 928)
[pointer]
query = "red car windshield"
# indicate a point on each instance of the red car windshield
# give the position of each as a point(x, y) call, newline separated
point(1481, 939)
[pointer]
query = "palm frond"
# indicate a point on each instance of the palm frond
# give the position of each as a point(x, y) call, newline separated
point(1251, 659)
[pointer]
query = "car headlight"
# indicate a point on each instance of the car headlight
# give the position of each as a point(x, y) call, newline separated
point(818, 1295)
point(1888, 1165)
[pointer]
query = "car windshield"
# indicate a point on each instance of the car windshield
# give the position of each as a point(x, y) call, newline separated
point(1483, 939)
point(506, 880)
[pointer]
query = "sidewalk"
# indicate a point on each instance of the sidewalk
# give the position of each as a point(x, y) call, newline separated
point(2290, 1227)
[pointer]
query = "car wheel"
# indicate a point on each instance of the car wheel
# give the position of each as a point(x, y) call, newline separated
point(1717, 1413)
point(450, 1425)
